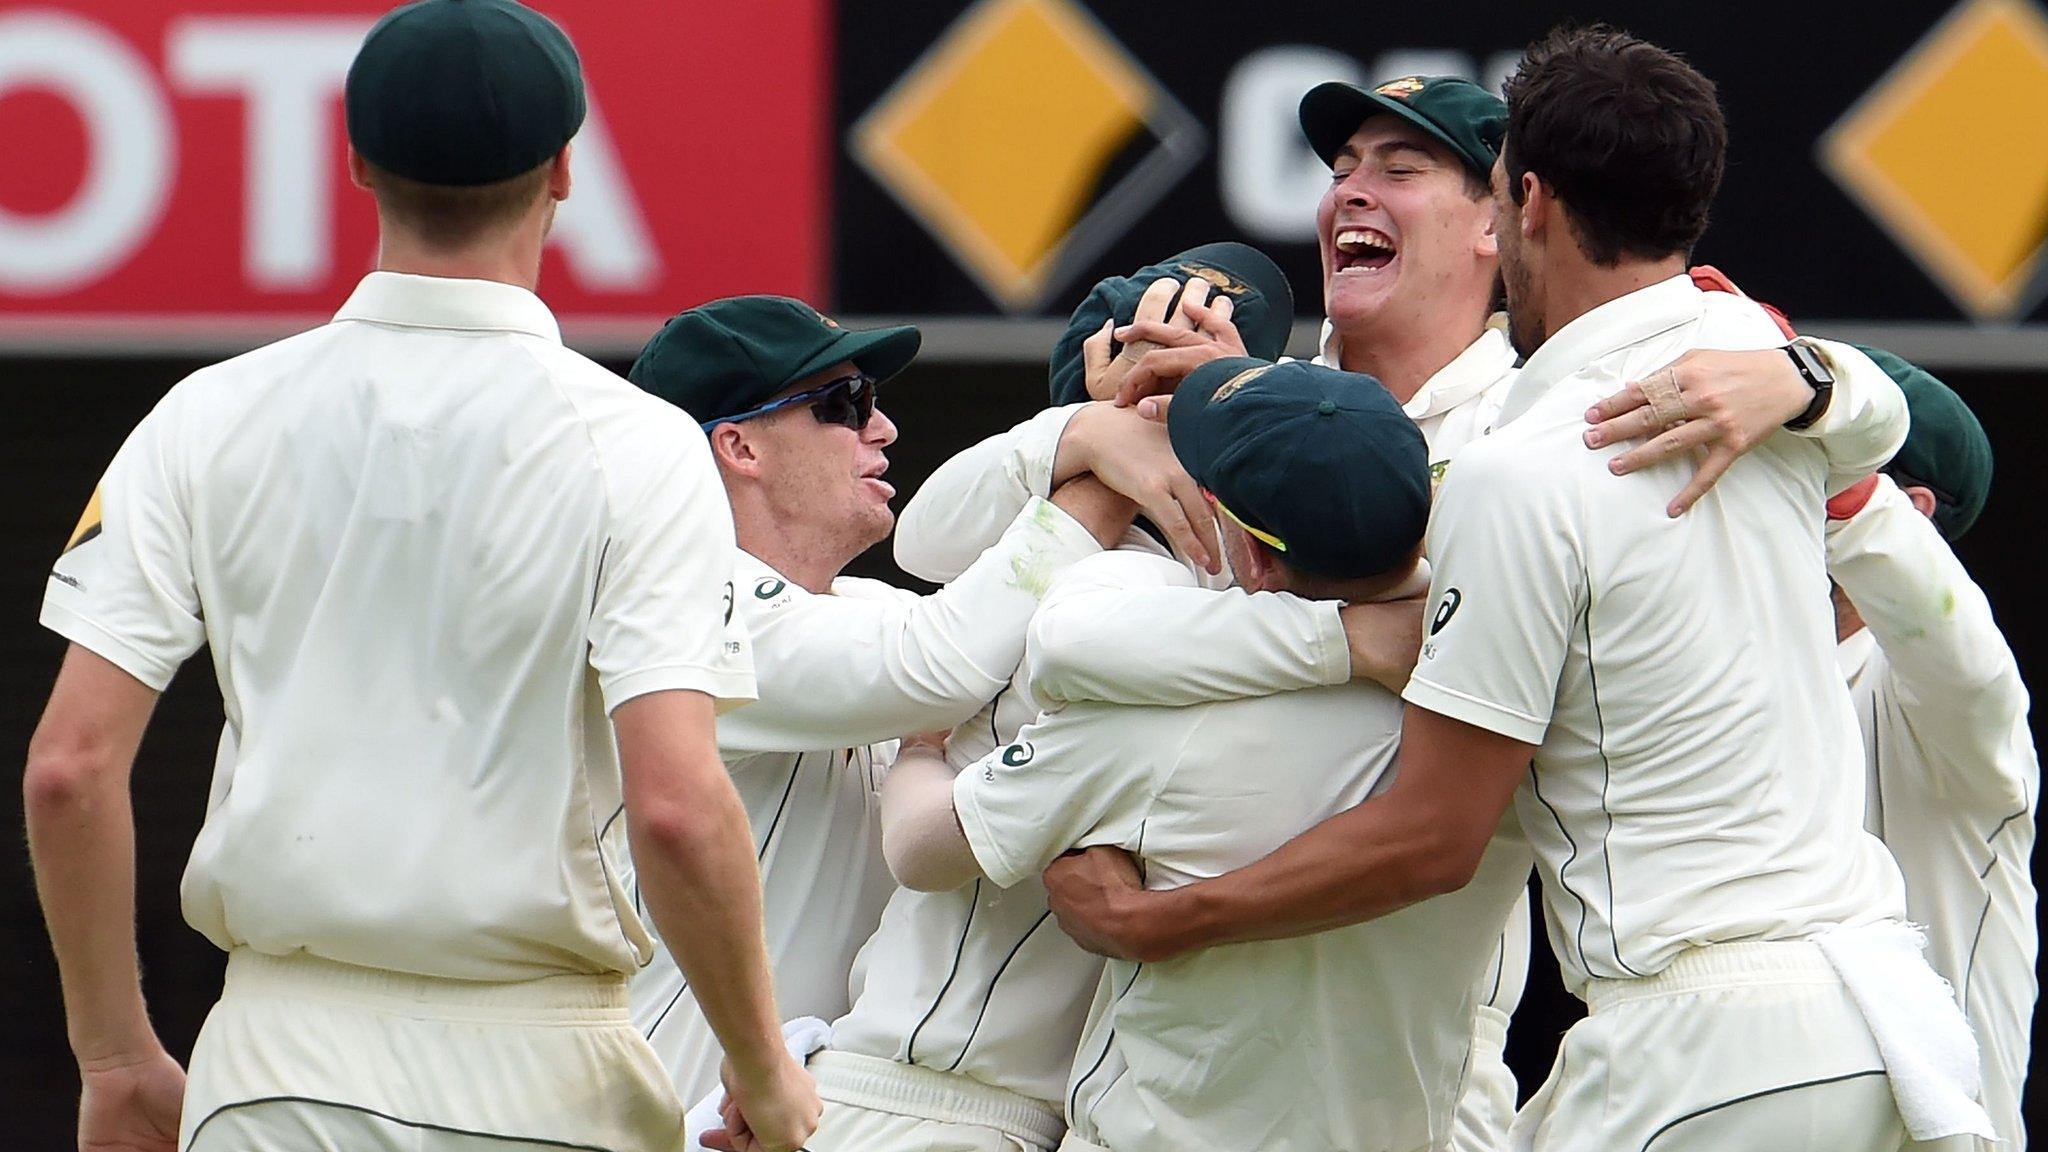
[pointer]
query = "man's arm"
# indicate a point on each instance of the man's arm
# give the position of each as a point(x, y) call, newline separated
point(1423, 837)
point(921, 836)
point(694, 856)
point(842, 671)
point(1957, 683)
point(81, 834)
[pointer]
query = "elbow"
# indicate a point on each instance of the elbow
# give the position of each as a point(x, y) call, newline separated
point(681, 832)
point(918, 866)
point(59, 781)
point(1053, 653)
point(1438, 864)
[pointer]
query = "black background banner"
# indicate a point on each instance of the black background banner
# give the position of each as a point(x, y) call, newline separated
point(1783, 228)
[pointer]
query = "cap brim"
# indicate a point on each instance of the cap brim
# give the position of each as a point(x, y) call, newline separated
point(879, 352)
point(1330, 113)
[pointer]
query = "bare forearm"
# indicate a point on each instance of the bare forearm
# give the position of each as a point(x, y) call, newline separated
point(81, 835)
point(700, 882)
point(1385, 639)
point(922, 840)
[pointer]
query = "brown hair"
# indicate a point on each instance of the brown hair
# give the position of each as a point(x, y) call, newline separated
point(1628, 135)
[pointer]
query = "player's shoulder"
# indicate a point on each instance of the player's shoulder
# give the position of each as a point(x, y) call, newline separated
point(759, 589)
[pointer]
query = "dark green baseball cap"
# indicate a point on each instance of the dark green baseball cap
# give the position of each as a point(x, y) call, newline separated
point(1262, 306)
point(1320, 464)
point(1465, 117)
point(463, 92)
point(1946, 450)
point(723, 358)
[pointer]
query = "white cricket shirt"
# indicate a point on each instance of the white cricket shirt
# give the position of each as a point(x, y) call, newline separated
point(430, 548)
point(1953, 775)
point(1696, 778)
point(843, 676)
point(1354, 1038)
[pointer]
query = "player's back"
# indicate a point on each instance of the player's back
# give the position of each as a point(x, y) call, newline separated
point(398, 536)
point(1354, 1038)
point(1697, 779)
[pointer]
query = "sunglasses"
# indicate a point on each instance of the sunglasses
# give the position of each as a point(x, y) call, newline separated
point(848, 401)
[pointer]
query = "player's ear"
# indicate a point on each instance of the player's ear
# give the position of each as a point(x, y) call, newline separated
point(1487, 245)
point(733, 450)
point(558, 176)
point(1922, 498)
point(358, 169)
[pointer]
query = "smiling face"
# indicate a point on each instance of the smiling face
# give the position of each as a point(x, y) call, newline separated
point(825, 479)
point(1403, 236)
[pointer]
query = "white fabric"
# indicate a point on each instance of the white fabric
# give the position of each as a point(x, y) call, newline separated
point(962, 508)
point(801, 1036)
point(549, 1061)
point(1953, 774)
point(430, 547)
point(1696, 778)
point(840, 677)
point(1733, 1046)
point(978, 983)
point(848, 1079)
point(1929, 1055)
point(1347, 1039)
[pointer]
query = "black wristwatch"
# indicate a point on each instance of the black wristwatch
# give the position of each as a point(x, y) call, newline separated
point(1814, 371)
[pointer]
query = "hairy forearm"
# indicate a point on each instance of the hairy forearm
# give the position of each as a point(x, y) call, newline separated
point(922, 841)
point(698, 877)
point(1385, 639)
point(81, 835)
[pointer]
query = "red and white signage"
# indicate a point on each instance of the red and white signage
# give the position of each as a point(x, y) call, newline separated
point(174, 167)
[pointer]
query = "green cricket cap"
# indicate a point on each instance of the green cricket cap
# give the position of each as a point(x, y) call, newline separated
point(1262, 306)
point(1945, 451)
point(1320, 464)
point(463, 92)
point(725, 357)
point(1460, 114)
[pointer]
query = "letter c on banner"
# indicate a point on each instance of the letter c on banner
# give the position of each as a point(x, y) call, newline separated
point(130, 150)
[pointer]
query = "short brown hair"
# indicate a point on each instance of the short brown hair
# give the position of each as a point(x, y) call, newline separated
point(1628, 135)
point(450, 216)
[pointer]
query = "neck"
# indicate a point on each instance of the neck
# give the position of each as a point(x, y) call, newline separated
point(1403, 352)
point(508, 260)
point(1580, 285)
point(801, 556)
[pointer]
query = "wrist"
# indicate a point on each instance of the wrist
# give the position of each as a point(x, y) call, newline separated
point(106, 1049)
point(1819, 380)
point(1074, 455)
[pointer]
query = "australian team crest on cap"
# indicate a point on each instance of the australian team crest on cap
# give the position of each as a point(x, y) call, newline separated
point(1404, 87)
point(1218, 279)
point(1229, 387)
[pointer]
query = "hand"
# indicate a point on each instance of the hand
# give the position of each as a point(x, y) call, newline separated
point(775, 1115)
point(1098, 897)
point(1102, 372)
point(1104, 512)
point(1205, 334)
point(131, 1105)
point(1385, 638)
point(1132, 455)
point(1724, 402)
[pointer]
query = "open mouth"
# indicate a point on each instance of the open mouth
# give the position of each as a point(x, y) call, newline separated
point(1362, 249)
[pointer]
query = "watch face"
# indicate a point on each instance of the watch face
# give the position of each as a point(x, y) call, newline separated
point(1810, 365)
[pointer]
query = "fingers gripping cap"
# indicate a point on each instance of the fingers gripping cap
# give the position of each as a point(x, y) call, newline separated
point(1321, 464)
point(1262, 307)
point(463, 92)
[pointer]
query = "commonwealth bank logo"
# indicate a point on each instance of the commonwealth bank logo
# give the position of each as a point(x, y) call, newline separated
point(1027, 140)
point(1948, 153)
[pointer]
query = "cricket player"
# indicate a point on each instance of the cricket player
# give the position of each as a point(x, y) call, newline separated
point(844, 665)
point(1355, 1038)
point(1678, 744)
point(1953, 775)
point(972, 1001)
point(465, 594)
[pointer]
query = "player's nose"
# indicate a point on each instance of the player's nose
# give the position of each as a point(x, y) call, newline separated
point(881, 431)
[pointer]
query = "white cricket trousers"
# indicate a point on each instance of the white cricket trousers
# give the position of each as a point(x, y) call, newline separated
point(1754, 1047)
point(306, 1055)
point(875, 1105)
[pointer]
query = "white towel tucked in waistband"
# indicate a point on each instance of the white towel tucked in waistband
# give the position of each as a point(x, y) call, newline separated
point(1929, 1052)
point(802, 1036)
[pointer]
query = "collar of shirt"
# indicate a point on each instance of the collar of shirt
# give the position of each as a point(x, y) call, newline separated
point(1468, 374)
point(1625, 320)
point(410, 301)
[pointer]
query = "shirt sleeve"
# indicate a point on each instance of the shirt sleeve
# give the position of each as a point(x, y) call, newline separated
point(964, 507)
point(836, 671)
point(663, 617)
point(1073, 778)
point(1953, 676)
point(1866, 420)
point(1132, 628)
point(125, 586)
point(1508, 584)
